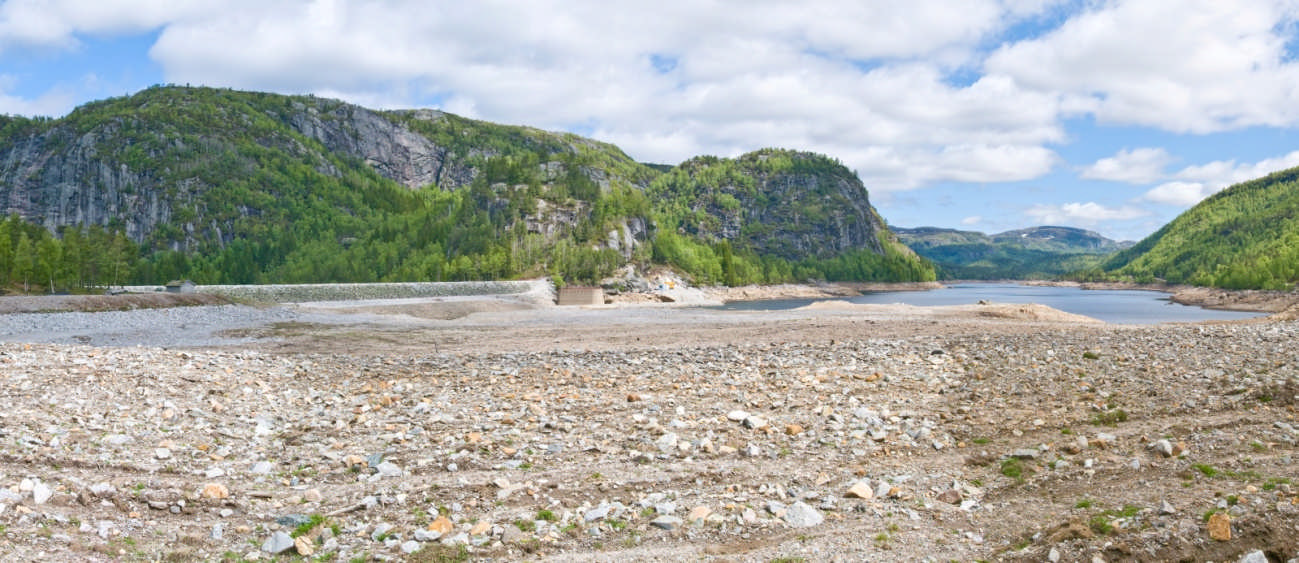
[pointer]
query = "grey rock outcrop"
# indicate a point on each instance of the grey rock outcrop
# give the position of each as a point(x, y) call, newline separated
point(391, 149)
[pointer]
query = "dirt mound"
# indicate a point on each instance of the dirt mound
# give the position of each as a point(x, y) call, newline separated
point(447, 310)
point(1003, 311)
point(1290, 313)
point(95, 303)
point(1028, 312)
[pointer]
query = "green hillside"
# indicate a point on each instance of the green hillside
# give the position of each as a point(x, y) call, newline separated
point(223, 186)
point(775, 215)
point(1034, 253)
point(1244, 237)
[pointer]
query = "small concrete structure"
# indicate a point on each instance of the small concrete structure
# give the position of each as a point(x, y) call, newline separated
point(180, 286)
point(581, 295)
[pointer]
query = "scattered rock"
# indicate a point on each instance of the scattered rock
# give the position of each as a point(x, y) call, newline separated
point(304, 546)
point(667, 522)
point(41, 492)
point(1163, 448)
point(698, 514)
point(860, 489)
point(950, 496)
point(441, 525)
point(801, 515)
point(215, 491)
point(755, 422)
point(1256, 556)
point(279, 542)
point(1220, 526)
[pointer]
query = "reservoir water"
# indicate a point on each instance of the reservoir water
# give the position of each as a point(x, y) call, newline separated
point(1111, 306)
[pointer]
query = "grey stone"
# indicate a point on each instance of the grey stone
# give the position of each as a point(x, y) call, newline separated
point(1256, 556)
point(801, 515)
point(426, 535)
point(410, 547)
point(262, 468)
point(41, 493)
point(1025, 453)
point(293, 520)
point(667, 522)
point(667, 442)
point(511, 534)
point(389, 469)
point(1163, 448)
point(380, 530)
point(279, 542)
point(598, 513)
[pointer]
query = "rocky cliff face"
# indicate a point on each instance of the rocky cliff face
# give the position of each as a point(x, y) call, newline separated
point(146, 162)
point(789, 204)
point(391, 149)
point(58, 178)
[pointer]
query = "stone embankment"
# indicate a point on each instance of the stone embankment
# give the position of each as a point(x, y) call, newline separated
point(864, 439)
point(299, 293)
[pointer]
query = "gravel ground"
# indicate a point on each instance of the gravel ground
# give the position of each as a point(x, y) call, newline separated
point(178, 327)
point(849, 434)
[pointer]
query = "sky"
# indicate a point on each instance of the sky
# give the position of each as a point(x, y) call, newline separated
point(986, 115)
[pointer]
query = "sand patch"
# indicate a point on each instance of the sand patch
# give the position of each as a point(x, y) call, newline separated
point(1006, 311)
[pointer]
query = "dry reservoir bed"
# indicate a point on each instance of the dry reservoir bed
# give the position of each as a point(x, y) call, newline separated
point(659, 434)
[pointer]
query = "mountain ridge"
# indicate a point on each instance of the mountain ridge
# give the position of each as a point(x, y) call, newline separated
point(1040, 252)
point(1243, 237)
point(226, 186)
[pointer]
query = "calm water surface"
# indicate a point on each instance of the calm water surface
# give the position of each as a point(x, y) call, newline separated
point(1111, 306)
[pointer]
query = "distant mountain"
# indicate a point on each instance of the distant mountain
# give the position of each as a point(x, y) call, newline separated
point(1032, 253)
point(1244, 237)
point(223, 186)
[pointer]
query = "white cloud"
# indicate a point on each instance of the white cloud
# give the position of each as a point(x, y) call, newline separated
point(1194, 183)
point(972, 220)
point(57, 23)
point(903, 91)
point(53, 102)
point(1186, 66)
point(865, 82)
point(1086, 214)
point(1223, 173)
point(1137, 166)
point(1184, 194)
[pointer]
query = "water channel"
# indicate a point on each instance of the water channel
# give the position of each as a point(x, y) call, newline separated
point(1111, 306)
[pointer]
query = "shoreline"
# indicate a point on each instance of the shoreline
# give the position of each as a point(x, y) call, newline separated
point(1252, 300)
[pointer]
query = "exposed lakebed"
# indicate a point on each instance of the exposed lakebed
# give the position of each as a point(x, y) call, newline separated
point(1111, 306)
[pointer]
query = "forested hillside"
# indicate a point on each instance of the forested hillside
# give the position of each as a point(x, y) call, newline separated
point(1033, 253)
point(775, 215)
point(1244, 237)
point(222, 186)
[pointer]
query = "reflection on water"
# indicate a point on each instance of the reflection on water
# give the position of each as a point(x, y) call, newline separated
point(1111, 306)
